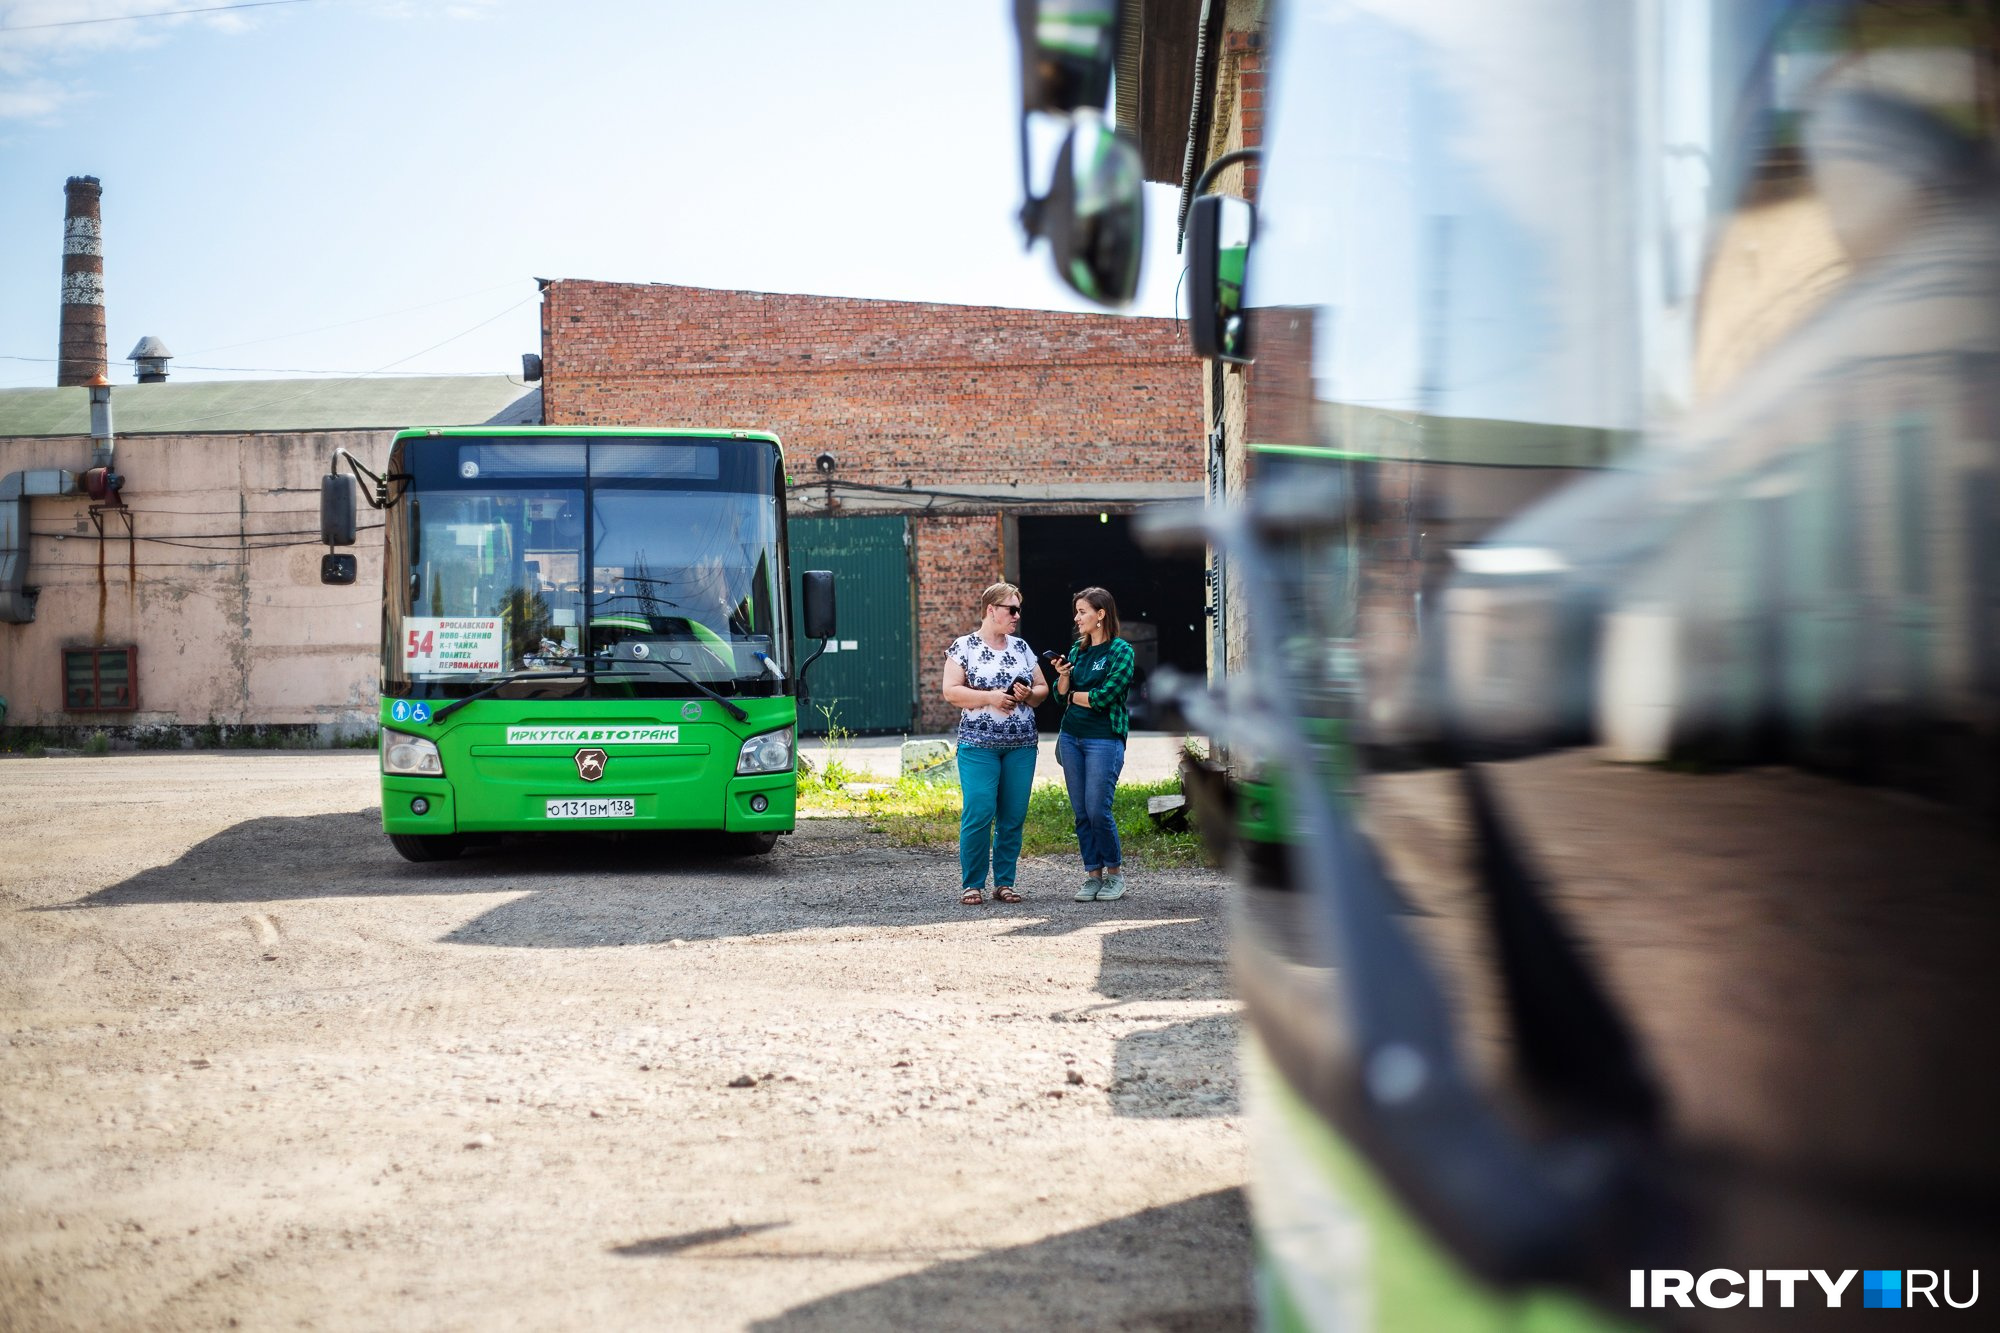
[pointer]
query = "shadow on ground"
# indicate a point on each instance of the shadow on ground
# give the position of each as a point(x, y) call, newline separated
point(1182, 1266)
point(1182, 1071)
point(583, 891)
point(346, 855)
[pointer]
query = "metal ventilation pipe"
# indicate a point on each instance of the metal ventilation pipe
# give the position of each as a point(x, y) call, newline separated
point(17, 596)
point(100, 431)
point(149, 360)
point(81, 356)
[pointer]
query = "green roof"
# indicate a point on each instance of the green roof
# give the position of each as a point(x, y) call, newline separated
point(278, 405)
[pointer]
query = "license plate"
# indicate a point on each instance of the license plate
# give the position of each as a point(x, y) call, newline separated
point(613, 807)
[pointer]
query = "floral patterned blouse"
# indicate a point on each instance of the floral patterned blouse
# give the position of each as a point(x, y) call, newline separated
point(994, 669)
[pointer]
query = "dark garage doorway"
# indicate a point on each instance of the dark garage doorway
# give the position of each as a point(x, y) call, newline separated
point(1159, 597)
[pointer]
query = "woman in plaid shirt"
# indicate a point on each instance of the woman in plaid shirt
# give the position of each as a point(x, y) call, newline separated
point(1092, 683)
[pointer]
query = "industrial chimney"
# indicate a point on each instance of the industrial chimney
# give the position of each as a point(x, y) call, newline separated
point(81, 354)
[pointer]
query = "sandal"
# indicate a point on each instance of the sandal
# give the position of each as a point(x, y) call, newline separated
point(972, 897)
point(1005, 894)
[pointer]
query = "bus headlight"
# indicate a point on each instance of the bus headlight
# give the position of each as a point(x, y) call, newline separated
point(769, 753)
point(411, 755)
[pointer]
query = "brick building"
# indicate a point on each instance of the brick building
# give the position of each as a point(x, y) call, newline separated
point(960, 444)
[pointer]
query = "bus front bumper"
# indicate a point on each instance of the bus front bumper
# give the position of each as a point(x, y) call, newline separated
point(432, 805)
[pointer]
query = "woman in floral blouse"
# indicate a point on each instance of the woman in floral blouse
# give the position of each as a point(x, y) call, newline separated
point(992, 676)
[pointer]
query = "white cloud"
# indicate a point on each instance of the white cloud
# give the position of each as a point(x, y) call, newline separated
point(33, 54)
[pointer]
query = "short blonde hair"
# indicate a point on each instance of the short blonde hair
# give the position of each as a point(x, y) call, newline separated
point(992, 596)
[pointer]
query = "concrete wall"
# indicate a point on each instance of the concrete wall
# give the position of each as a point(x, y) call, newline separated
point(961, 414)
point(217, 587)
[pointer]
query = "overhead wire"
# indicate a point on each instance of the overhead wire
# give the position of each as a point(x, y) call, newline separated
point(232, 541)
point(975, 497)
point(320, 386)
point(153, 14)
point(350, 323)
point(262, 370)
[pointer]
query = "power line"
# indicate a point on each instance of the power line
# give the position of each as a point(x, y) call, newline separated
point(933, 494)
point(456, 336)
point(345, 324)
point(156, 14)
point(236, 541)
point(320, 386)
point(276, 370)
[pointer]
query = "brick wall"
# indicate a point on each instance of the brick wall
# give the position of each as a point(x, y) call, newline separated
point(896, 390)
point(1238, 117)
point(956, 559)
point(902, 394)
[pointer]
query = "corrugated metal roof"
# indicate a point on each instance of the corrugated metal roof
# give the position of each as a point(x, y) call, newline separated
point(278, 405)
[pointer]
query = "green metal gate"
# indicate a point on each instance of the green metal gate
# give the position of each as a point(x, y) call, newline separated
point(868, 677)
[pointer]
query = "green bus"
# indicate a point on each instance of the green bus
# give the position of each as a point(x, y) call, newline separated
point(582, 630)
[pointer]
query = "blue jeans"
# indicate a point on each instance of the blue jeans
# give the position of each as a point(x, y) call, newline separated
point(1090, 769)
point(995, 785)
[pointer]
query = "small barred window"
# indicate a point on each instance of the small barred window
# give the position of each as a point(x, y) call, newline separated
point(97, 680)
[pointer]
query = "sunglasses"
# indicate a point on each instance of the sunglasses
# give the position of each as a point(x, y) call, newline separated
point(1013, 610)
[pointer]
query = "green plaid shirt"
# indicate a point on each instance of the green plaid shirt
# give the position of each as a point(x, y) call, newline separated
point(1105, 674)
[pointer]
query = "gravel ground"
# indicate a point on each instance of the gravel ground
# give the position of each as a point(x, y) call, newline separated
point(260, 1073)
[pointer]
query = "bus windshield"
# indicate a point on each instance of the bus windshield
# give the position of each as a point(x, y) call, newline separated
point(511, 557)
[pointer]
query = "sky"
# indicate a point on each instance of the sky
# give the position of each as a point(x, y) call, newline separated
point(373, 186)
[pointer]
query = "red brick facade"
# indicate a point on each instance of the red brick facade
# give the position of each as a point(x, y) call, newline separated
point(1243, 49)
point(1026, 410)
point(956, 561)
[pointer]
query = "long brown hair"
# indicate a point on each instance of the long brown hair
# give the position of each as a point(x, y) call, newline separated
point(1101, 600)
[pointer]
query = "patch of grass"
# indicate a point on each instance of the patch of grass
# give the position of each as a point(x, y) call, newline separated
point(831, 773)
point(99, 743)
point(915, 813)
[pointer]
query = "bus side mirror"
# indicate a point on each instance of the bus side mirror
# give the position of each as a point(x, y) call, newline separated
point(1095, 212)
point(335, 567)
point(817, 588)
point(1220, 229)
point(1069, 49)
point(336, 511)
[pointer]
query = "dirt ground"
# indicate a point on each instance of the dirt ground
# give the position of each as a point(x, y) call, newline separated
point(258, 1072)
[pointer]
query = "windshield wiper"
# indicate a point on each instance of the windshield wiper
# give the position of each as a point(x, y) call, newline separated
point(734, 709)
point(583, 672)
